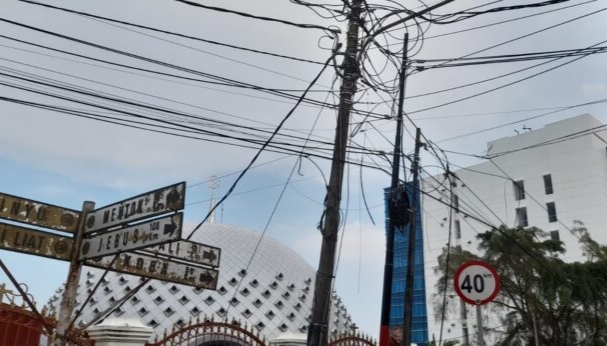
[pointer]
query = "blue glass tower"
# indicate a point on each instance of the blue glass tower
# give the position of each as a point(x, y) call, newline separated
point(419, 334)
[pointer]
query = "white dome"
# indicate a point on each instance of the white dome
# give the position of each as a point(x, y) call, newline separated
point(275, 294)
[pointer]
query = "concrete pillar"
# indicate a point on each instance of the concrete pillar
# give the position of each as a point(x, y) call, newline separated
point(289, 339)
point(120, 332)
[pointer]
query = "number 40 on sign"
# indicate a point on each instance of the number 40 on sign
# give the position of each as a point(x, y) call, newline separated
point(476, 282)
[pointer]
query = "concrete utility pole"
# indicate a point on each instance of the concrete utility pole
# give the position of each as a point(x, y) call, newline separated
point(71, 285)
point(319, 325)
point(384, 332)
point(408, 315)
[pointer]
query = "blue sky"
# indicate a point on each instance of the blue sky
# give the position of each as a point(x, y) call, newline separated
point(65, 160)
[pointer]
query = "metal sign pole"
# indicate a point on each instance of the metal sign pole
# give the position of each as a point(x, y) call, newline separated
point(480, 340)
point(71, 284)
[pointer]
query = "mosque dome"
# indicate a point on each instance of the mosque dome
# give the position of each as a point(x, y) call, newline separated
point(271, 291)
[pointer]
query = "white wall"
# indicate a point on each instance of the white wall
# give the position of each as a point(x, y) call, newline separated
point(578, 167)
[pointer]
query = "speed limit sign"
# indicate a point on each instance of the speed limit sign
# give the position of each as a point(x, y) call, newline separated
point(476, 282)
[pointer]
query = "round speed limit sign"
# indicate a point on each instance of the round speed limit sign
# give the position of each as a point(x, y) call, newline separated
point(476, 282)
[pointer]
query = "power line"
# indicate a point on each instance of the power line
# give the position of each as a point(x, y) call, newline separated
point(530, 34)
point(505, 21)
point(223, 81)
point(522, 120)
point(263, 147)
point(247, 15)
point(503, 85)
point(172, 33)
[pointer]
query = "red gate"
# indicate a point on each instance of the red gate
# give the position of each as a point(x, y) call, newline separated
point(210, 333)
point(352, 340)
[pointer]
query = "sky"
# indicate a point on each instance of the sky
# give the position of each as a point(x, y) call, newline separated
point(66, 159)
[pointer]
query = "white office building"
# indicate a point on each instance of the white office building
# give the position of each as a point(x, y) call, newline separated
point(548, 178)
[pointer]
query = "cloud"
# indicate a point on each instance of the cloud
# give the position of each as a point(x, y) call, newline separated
point(594, 88)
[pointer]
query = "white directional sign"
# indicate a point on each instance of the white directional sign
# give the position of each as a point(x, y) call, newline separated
point(476, 282)
point(34, 242)
point(37, 213)
point(157, 202)
point(149, 233)
point(158, 268)
point(189, 251)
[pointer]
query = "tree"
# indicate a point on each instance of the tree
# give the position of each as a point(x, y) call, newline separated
point(565, 302)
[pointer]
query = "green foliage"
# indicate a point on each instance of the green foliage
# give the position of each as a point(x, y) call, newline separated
point(567, 301)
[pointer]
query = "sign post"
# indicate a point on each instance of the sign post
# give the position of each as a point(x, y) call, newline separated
point(73, 278)
point(477, 283)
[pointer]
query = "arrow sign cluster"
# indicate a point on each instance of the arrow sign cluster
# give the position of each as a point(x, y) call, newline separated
point(146, 241)
point(151, 248)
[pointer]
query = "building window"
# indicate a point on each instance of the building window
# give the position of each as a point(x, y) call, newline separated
point(519, 190)
point(521, 217)
point(458, 230)
point(548, 184)
point(554, 235)
point(455, 202)
point(551, 209)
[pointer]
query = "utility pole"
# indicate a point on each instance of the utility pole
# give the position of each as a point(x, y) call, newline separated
point(408, 314)
point(318, 329)
point(71, 285)
point(384, 332)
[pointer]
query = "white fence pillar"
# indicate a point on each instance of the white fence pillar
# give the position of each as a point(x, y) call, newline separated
point(120, 332)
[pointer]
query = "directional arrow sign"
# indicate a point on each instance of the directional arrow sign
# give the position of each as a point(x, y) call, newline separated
point(37, 213)
point(158, 268)
point(157, 202)
point(33, 242)
point(189, 251)
point(149, 233)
